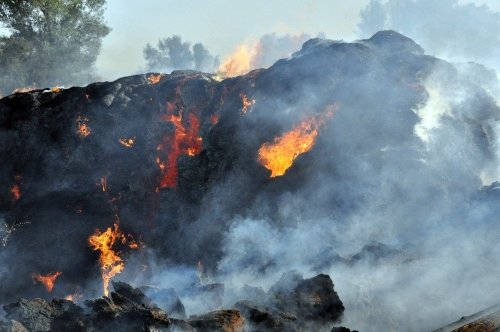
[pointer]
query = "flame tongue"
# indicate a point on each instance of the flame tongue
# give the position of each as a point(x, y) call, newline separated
point(279, 155)
point(48, 280)
point(185, 139)
point(111, 263)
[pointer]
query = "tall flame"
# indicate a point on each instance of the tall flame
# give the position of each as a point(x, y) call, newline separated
point(278, 156)
point(111, 263)
point(184, 140)
point(238, 63)
point(48, 281)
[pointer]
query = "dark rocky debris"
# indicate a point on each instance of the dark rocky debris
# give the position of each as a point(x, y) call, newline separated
point(306, 303)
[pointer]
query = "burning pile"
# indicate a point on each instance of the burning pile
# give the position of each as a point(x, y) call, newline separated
point(239, 174)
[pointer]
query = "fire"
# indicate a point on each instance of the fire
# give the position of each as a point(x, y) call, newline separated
point(246, 103)
point(185, 140)
point(73, 297)
point(214, 119)
point(238, 63)
point(104, 183)
point(83, 126)
point(127, 142)
point(279, 155)
point(48, 280)
point(15, 193)
point(109, 259)
point(56, 89)
point(154, 78)
point(25, 89)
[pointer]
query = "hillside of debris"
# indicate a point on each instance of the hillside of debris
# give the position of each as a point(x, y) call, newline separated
point(292, 304)
point(368, 160)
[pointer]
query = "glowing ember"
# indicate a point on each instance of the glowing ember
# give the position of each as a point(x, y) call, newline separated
point(184, 140)
point(109, 259)
point(15, 193)
point(48, 281)
point(24, 89)
point(74, 297)
point(104, 183)
point(238, 63)
point(214, 119)
point(154, 78)
point(279, 155)
point(246, 103)
point(127, 142)
point(83, 129)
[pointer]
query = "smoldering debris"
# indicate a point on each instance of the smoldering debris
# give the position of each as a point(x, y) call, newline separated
point(395, 193)
point(295, 306)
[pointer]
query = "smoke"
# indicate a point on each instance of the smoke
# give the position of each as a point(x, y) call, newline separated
point(396, 200)
point(444, 28)
point(407, 173)
point(261, 54)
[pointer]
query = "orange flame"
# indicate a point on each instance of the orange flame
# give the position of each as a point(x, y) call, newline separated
point(75, 297)
point(184, 140)
point(24, 89)
point(48, 281)
point(56, 89)
point(15, 193)
point(83, 127)
point(127, 142)
point(279, 155)
point(111, 263)
point(154, 78)
point(246, 103)
point(238, 63)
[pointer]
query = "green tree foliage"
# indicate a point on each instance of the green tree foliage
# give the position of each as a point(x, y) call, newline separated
point(49, 42)
point(173, 53)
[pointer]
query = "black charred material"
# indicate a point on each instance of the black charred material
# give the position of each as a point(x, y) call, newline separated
point(167, 300)
point(128, 309)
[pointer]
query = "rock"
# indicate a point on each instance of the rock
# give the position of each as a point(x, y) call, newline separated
point(218, 321)
point(38, 314)
point(259, 318)
point(308, 299)
point(167, 300)
point(341, 329)
point(135, 295)
point(12, 326)
point(127, 309)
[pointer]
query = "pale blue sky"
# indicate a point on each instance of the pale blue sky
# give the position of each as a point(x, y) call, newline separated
point(220, 24)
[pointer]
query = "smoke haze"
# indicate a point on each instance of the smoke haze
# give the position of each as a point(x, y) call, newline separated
point(397, 200)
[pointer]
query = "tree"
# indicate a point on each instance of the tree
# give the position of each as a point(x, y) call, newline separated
point(49, 42)
point(173, 53)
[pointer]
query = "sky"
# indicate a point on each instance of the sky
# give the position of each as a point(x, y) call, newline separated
point(221, 25)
